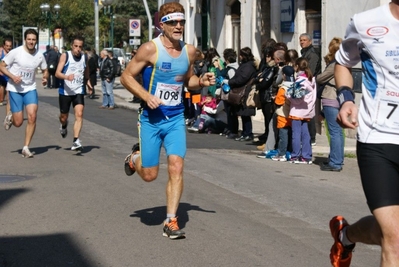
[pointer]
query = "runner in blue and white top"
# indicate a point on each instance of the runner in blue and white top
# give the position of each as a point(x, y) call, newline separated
point(372, 39)
point(73, 72)
point(167, 67)
point(4, 50)
point(76, 66)
point(20, 66)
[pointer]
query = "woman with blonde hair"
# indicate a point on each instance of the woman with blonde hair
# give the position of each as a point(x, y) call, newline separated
point(328, 94)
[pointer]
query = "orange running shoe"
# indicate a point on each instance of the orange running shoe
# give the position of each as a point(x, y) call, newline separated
point(172, 230)
point(340, 255)
point(129, 166)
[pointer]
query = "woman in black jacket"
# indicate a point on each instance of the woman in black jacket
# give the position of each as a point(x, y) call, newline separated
point(264, 80)
point(244, 73)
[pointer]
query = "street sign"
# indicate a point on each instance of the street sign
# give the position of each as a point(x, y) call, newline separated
point(134, 41)
point(134, 27)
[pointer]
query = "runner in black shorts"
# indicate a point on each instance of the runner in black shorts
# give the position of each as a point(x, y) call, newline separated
point(73, 71)
point(382, 161)
point(66, 101)
point(371, 38)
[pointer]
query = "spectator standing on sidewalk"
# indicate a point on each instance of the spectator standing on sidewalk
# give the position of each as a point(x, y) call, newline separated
point(20, 66)
point(265, 80)
point(328, 94)
point(52, 59)
point(243, 74)
point(309, 52)
point(107, 75)
point(230, 57)
point(303, 98)
point(371, 38)
point(93, 66)
point(283, 112)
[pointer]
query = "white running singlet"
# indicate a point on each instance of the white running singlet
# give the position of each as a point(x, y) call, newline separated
point(21, 63)
point(372, 38)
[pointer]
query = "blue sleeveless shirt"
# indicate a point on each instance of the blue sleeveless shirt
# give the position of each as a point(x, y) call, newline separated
point(165, 79)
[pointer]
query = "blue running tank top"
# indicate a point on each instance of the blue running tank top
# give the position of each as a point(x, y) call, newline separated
point(3, 77)
point(165, 79)
point(76, 66)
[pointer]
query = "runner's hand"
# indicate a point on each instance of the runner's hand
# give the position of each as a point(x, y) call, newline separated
point(17, 79)
point(347, 116)
point(208, 79)
point(70, 77)
point(44, 81)
point(90, 88)
point(153, 102)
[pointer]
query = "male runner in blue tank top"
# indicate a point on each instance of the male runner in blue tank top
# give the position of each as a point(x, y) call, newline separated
point(167, 66)
point(7, 46)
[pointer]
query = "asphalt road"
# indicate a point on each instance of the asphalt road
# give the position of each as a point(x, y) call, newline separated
point(63, 208)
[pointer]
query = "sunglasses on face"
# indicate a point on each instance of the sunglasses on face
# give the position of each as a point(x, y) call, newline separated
point(174, 22)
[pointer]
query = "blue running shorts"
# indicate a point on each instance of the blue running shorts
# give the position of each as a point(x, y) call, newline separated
point(171, 131)
point(19, 100)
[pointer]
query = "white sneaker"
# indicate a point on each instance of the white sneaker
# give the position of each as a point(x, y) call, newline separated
point(192, 130)
point(8, 121)
point(64, 132)
point(279, 158)
point(26, 153)
point(76, 146)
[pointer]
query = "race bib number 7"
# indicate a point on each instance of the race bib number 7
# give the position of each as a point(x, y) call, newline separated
point(170, 94)
point(387, 119)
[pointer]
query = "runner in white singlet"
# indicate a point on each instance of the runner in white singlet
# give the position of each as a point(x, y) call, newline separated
point(372, 39)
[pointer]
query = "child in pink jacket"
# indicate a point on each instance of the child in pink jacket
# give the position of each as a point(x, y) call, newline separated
point(302, 109)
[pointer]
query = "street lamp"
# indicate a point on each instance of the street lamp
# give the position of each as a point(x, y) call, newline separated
point(108, 10)
point(46, 12)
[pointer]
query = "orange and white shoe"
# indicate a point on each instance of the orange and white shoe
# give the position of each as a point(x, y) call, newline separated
point(172, 230)
point(340, 255)
point(129, 166)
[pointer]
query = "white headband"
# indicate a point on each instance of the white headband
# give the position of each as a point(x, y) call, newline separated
point(172, 16)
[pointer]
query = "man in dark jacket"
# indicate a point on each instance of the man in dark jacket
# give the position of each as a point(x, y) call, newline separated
point(107, 74)
point(52, 59)
point(117, 65)
point(310, 53)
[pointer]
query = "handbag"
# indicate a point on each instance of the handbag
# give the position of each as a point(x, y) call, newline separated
point(237, 95)
point(224, 96)
point(253, 99)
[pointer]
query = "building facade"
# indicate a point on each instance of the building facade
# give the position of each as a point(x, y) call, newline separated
point(240, 23)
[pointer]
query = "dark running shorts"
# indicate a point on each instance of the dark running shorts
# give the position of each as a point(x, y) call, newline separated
point(65, 102)
point(379, 171)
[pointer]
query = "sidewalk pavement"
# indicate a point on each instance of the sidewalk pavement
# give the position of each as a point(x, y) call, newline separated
point(122, 98)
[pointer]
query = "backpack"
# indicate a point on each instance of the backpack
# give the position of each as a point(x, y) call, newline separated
point(296, 90)
point(264, 84)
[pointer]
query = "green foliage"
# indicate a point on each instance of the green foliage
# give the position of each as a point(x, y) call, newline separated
point(13, 18)
point(124, 10)
point(76, 17)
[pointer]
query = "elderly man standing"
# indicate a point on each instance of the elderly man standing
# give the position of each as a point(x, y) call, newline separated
point(309, 52)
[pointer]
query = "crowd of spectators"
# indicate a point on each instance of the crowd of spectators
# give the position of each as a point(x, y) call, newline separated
point(288, 83)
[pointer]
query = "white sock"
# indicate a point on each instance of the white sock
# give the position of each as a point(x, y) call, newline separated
point(135, 156)
point(25, 147)
point(344, 238)
point(169, 216)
